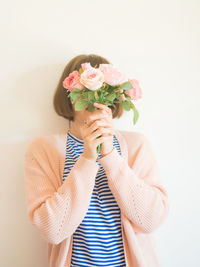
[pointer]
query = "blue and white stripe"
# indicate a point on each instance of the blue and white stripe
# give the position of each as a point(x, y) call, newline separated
point(97, 240)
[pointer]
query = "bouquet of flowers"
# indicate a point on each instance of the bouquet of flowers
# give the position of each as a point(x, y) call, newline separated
point(105, 85)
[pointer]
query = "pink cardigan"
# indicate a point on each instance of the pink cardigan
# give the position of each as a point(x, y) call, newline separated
point(56, 208)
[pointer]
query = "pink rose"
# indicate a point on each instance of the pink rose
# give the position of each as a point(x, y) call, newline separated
point(135, 92)
point(92, 78)
point(86, 65)
point(73, 81)
point(112, 75)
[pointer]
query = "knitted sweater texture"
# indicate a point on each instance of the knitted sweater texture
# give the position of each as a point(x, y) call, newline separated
point(57, 208)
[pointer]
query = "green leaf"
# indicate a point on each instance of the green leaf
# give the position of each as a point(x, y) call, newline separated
point(74, 95)
point(101, 96)
point(131, 104)
point(85, 94)
point(90, 106)
point(126, 86)
point(136, 115)
point(81, 104)
point(110, 97)
point(126, 105)
point(106, 103)
point(104, 92)
point(76, 90)
point(90, 95)
point(127, 96)
point(96, 95)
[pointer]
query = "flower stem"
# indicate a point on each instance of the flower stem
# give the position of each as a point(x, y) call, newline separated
point(98, 147)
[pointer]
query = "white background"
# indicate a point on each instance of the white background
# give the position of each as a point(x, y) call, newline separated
point(156, 42)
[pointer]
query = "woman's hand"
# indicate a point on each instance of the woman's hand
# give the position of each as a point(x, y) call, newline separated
point(95, 132)
point(107, 145)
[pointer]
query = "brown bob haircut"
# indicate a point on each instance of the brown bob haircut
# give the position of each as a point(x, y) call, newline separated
point(61, 101)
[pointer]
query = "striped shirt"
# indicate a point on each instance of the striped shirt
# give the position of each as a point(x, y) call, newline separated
point(97, 240)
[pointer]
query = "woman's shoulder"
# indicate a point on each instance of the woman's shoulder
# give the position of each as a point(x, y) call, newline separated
point(138, 144)
point(48, 142)
point(134, 137)
point(39, 141)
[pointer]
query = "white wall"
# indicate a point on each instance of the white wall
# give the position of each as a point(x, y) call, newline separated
point(156, 42)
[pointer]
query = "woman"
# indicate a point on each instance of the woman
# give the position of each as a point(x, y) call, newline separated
point(94, 209)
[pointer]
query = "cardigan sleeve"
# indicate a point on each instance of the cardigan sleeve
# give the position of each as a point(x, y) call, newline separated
point(137, 188)
point(56, 211)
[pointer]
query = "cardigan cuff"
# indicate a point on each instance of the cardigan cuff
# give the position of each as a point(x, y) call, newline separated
point(86, 164)
point(83, 169)
point(111, 160)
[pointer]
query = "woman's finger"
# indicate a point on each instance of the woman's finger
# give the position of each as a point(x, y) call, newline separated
point(101, 106)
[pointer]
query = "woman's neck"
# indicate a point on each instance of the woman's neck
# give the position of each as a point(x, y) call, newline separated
point(75, 130)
